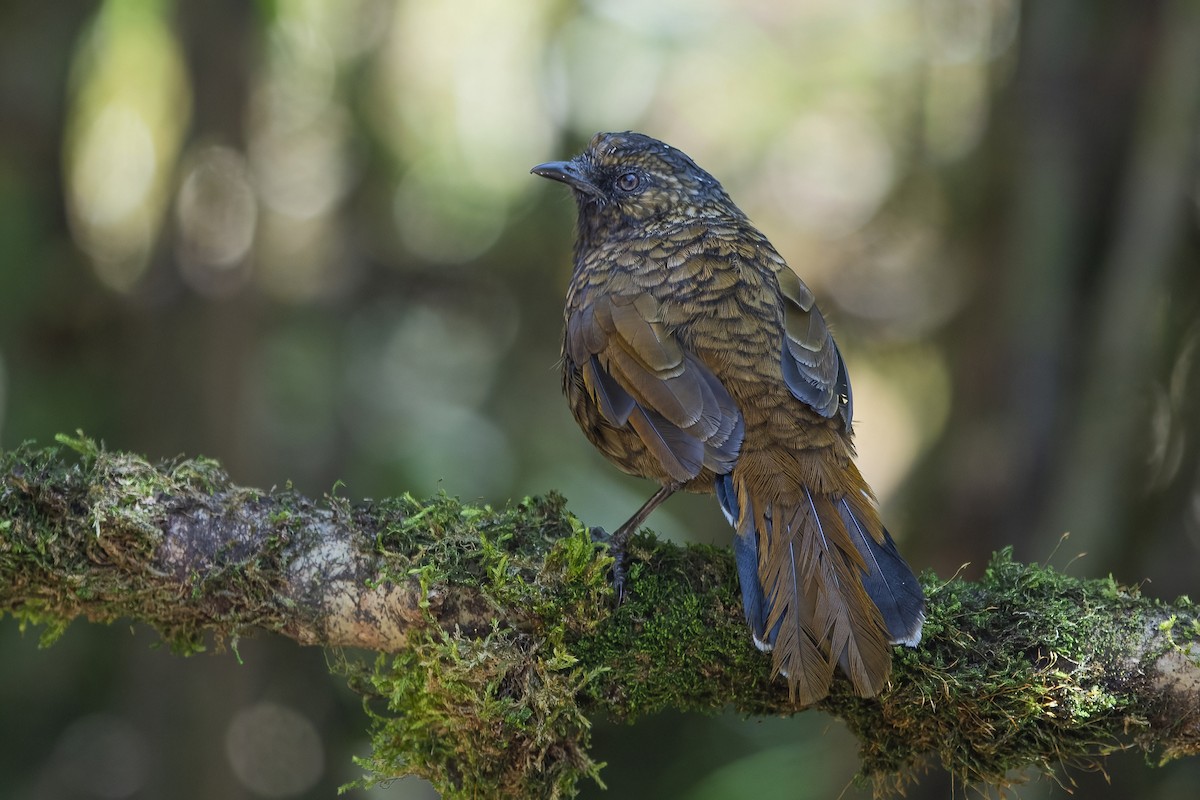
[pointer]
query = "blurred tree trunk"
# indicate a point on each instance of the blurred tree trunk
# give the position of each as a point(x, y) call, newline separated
point(1075, 375)
point(1079, 318)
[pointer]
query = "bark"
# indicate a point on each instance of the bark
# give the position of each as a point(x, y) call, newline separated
point(496, 633)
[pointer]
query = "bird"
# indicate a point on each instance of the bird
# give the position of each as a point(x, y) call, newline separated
point(693, 355)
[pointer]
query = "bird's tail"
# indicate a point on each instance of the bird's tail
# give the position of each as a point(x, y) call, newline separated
point(822, 585)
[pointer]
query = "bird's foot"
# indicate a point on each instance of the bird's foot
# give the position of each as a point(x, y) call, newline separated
point(616, 548)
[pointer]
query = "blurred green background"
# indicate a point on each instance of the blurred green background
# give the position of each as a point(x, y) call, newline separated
point(301, 238)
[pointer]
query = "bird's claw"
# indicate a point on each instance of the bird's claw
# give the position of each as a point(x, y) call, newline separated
point(616, 548)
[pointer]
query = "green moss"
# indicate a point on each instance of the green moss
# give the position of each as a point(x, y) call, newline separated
point(495, 713)
point(85, 530)
point(684, 615)
point(1016, 669)
point(1032, 697)
point(488, 713)
point(479, 717)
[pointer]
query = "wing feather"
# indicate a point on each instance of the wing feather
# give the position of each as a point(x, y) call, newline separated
point(812, 366)
point(639, 374)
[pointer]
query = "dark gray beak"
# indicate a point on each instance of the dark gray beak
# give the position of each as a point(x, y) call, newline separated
point(570, 173)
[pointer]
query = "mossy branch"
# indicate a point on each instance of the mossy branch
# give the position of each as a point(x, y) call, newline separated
point(497, 636)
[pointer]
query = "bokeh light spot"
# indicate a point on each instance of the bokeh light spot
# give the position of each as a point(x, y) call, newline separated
point(444, 221)
point(116, 163)
point(831, 170)
point(601, 76)
point(100, 756)
point(217, 214)
point(274, 750)
point(128, 108)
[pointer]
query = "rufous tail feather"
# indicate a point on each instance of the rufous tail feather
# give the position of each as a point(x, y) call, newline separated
point(823, 587)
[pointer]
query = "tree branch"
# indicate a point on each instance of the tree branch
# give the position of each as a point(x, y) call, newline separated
point(497, 633)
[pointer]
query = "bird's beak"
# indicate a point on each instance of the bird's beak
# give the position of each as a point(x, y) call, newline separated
point(570, 173)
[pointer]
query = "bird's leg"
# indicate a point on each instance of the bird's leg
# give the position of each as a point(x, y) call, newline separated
point(616, 541)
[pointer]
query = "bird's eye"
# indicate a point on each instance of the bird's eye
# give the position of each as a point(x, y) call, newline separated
point(629, 182)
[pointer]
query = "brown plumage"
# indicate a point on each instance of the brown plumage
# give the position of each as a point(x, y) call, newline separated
point(694, 356)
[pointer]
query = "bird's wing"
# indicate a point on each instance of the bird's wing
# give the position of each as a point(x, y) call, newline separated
point(638, 375)
point(812, 366)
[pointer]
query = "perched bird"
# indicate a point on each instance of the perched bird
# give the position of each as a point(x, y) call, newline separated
point(694, 356)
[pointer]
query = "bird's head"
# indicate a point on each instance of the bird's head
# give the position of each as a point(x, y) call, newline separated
point(629, 183)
